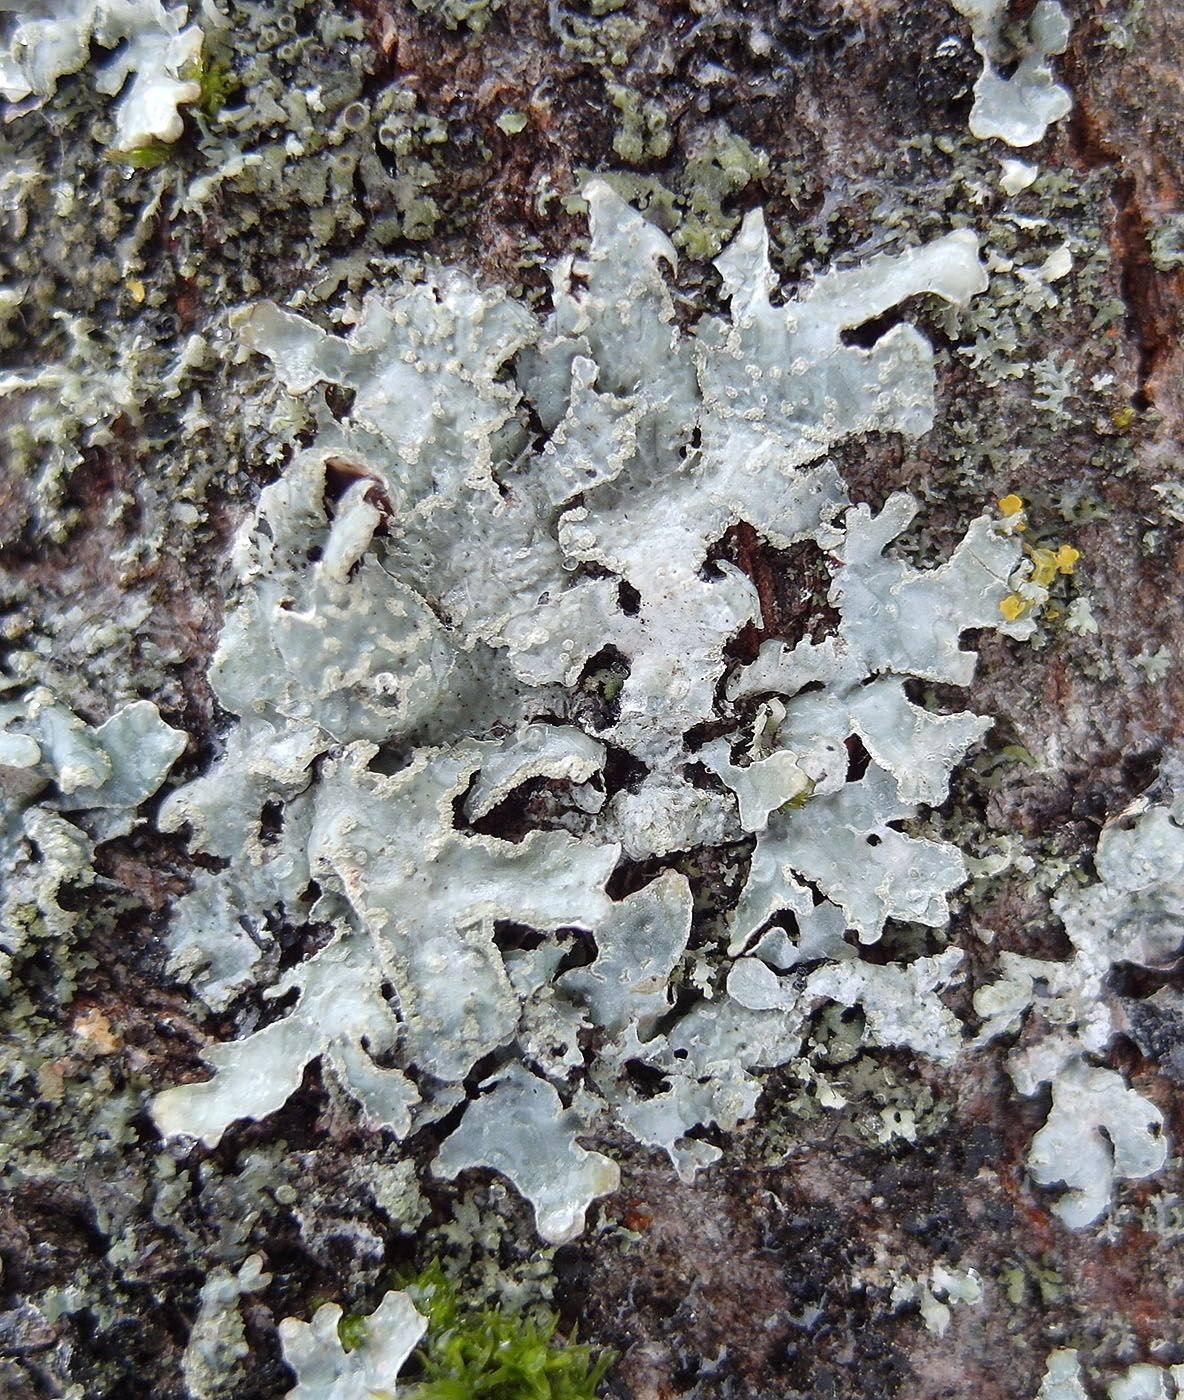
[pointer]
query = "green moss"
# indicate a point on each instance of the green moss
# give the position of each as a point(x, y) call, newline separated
point(352, 1331)
point(147, 157)
point(796, 803)
point(485, 1354)
point(217, 83)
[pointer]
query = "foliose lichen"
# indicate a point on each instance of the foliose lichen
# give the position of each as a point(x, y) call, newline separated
point(1142, 1381)
point(1020, 108)
point(426, 1343)
point(64, 785)
point(1098, 1129)
point(153, 66)
point(326, 1370)
point(417, 599)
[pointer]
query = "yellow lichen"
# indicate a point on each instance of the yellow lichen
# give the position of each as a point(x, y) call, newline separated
point(1012, 505)
point(1044, 566)
point(1048, 562)
point(1066, 557)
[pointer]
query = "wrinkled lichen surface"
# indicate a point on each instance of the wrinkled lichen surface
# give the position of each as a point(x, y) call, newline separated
point(576, 641)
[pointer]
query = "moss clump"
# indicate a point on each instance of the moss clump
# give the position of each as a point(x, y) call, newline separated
point(217, 81)
point(148, 157)
point(352, 1331)
point(485, 1354)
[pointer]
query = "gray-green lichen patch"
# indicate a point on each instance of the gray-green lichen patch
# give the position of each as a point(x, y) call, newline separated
point(1141, 1381)
point(64, 785)
point(691, 205)
point(416, 601)
point(325, 1370)
point(1062, 1378)
point(217, 1343)
point(1019, 108)
point(1098, 1129)
point(472, 15)
point(1146, 1381)
point(99, 307)
point(156, 53)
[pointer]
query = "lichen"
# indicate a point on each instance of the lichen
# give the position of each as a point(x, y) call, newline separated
point(155, 54)
point(1020, 108)
point(212, 1363)
point(136, 436)
point(426, 1343)
point(64, 785)
point(1141, 1381)
point(327, 1370)
point(424, 578)
point(693, 205)
point(1062, 1378)
point(1098, 1130)
point(1146, 1381)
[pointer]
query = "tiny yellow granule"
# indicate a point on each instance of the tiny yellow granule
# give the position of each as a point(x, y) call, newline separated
point(1013, 607)
point(136, 288)
point(1066, 557)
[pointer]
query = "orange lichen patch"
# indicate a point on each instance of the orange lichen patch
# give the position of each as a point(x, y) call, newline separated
point(1048, 563)
point(1044, 566)
point(636, 1218)
point(94, 1028)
